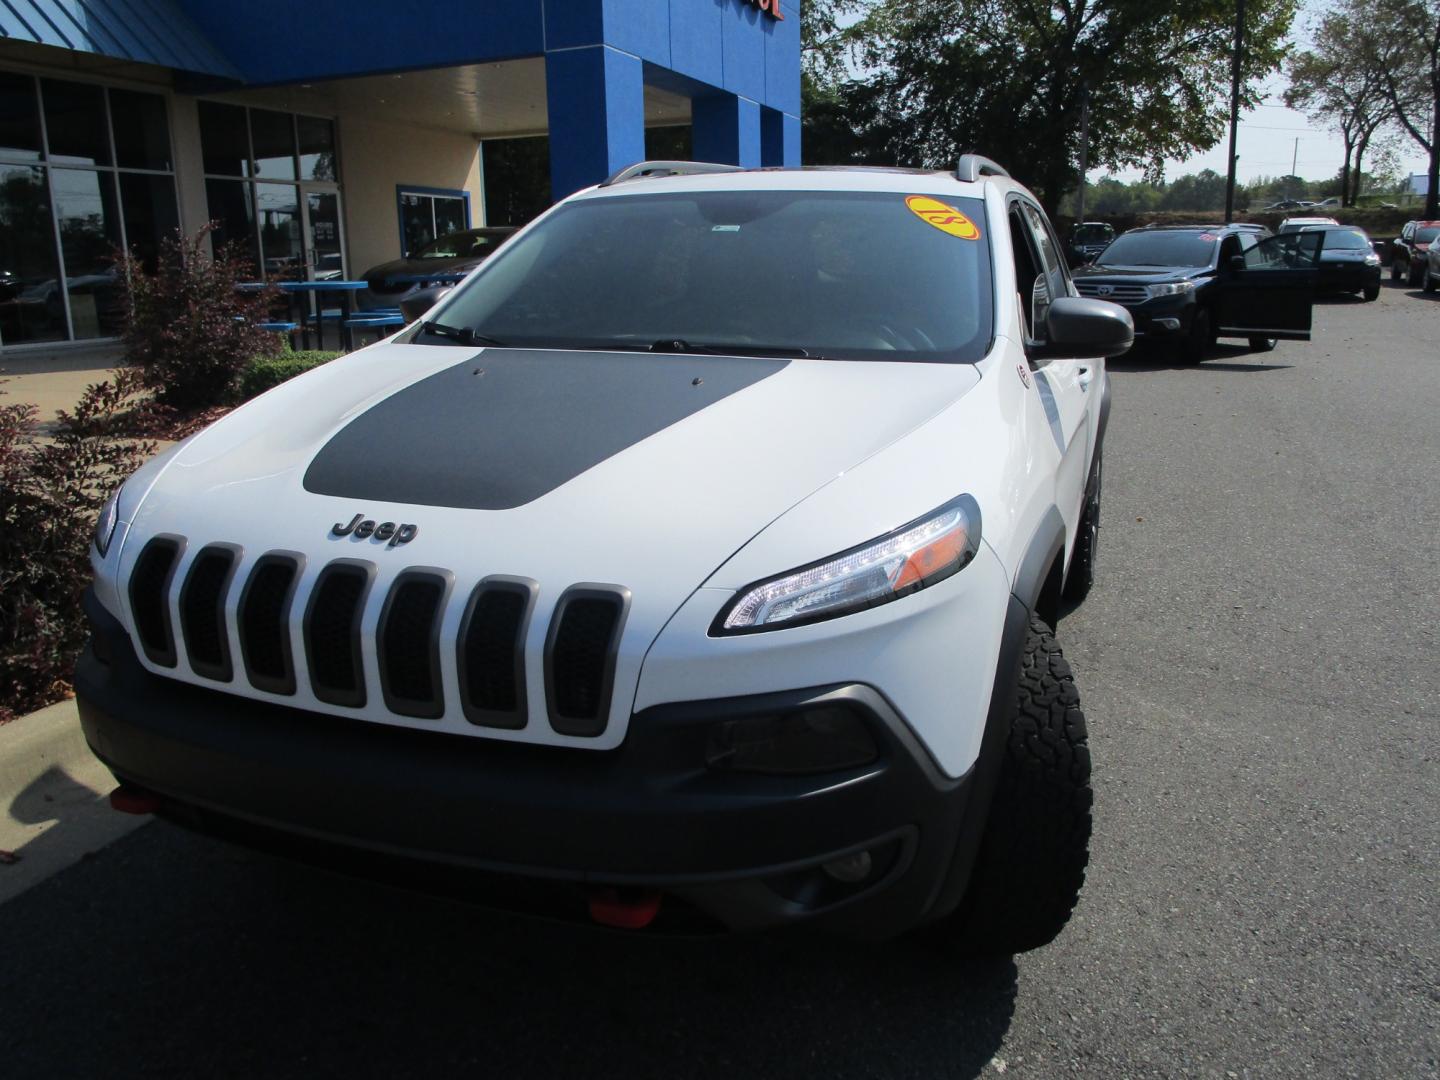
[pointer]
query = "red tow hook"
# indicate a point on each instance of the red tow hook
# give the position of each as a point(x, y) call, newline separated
point(129, 800)
point(624, 909)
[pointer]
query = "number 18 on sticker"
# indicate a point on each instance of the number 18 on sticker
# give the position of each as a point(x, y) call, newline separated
point(945, 218)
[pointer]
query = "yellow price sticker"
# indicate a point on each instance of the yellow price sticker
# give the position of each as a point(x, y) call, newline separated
point(945, 218)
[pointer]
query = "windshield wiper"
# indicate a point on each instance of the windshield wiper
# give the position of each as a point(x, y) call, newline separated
point(462, 334)
point(680, 345)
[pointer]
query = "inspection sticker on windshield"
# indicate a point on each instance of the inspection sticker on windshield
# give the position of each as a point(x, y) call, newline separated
point(945, 218)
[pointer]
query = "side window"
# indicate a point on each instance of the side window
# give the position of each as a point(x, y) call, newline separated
point(1028, 278)
point(1053, 263)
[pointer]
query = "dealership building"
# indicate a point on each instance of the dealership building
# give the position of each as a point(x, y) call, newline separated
point(325, 136)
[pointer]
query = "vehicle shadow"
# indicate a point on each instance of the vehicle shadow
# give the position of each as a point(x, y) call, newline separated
point(177, 955)
point(1223, 357)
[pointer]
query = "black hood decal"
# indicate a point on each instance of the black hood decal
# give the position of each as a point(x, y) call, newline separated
point(505, 427)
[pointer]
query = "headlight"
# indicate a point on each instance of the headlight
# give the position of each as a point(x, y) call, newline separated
point(1173, 288)
point(105, 524)
point(1372, 259)
point(927, 550)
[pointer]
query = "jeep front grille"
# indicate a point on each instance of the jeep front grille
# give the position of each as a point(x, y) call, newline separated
point(488, 641)
point(1118, 293)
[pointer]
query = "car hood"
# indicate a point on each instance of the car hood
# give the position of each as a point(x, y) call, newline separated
point(1141, 274)
point(422, 268)
point(646, 471)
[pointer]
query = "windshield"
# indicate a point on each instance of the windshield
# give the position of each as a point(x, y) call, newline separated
point(1091, 234)
point(1425, 235)
point(1161, 249)
point(460, 244)
point(844, 275)
point(1346, 240)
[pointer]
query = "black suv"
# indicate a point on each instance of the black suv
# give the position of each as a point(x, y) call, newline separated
point(1191, 284)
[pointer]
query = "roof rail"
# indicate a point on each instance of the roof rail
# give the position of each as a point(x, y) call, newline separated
point(972, 166)
point(643, 169)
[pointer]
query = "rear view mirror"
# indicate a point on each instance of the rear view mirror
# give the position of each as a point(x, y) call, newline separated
point(1237, 262)
point(419, 302)
point(1086, 329)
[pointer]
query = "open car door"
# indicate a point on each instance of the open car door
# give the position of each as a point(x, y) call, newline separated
point(1271, 288)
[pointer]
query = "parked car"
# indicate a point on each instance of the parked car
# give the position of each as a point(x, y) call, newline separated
point(1409, 249)
point(1189, 284)
point(1295, 224)
point(1087, 240)
point(1432, 268)
point(1348, 263)
point(1332, 203)
point(1286, 204)
point(391, 283)
point(656, 597)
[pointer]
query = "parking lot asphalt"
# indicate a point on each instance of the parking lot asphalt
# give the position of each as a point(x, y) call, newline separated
point(1258, 662)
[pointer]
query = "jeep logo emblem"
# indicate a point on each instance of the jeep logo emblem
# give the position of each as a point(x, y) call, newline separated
point(361, 527)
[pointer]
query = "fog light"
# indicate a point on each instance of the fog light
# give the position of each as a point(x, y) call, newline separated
point(827, 738)
point(1168, 324)
point(850, 869)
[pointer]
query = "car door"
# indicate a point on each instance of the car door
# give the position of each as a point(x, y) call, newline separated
point(1271, 289)
point(1069, 390)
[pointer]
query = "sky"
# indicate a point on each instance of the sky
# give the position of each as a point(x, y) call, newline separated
point(1266, 143)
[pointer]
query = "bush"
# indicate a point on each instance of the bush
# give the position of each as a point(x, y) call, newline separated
point(188, 326)
point(270, 371)
point(51, 491)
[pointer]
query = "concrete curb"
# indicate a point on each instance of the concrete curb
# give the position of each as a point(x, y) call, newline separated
point(53, 792)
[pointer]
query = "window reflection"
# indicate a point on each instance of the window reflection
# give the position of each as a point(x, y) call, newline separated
point(31, 308)
point(89, 235)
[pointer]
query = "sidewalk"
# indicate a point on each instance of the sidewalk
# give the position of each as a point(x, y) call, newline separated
point(54, 381)
point(55, 798)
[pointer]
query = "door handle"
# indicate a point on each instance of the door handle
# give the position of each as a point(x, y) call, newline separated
point(1083, 377)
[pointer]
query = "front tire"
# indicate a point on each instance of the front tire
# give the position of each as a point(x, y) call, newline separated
point(1395, 271)
point(1263, 344)
point(1417, 275)
point(1036, 845)
point(1429, 282)
point(1198, 341)
point(1371, 292)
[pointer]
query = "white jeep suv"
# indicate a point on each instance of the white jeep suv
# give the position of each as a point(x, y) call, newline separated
point(693, 563)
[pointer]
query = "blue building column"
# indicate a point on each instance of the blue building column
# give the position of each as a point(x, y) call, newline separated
point(779, 139)
point(596, 101)
point(725, 128)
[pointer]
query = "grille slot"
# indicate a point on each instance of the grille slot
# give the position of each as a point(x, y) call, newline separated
point(150, 598)
point(580, 657)
point(332, 632)
point(265, 623)
point(409, 643)
point(490, 652)
point(202, 612)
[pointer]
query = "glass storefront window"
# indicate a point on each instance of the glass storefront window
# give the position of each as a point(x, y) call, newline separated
point(147, 207)
point(229, 206)
point(273, 135)
point(278, 210)
point(317, 148)
point(450, 216)
point(142, 134)
point(425, 215)
point(89, 236)
point(50, 291)
point(31, 307)
point(224, 139)
point(19, 118)
point(75, 123)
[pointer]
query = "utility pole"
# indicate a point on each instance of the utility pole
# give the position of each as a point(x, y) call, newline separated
point(1294, 160)
point(1234, 108)
point(1084, 149)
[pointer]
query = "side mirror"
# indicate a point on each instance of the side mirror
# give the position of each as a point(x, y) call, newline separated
point(1080, 328)
point(1237, 262)
point(418, 303)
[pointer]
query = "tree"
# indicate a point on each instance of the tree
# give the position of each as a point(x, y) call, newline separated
point(1007, 78)
point(1402, 43)
point(1337, 84)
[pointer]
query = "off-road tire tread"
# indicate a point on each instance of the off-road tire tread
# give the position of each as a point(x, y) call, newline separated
point(1032, 858)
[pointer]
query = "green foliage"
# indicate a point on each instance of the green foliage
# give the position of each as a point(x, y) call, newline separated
point(1009, 78)
point(269, 371)
point(188, 326)
point(51, 491)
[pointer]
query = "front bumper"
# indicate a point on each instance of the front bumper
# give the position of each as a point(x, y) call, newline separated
point(1162, 317)
point(546, 825)
point(1347, 277)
